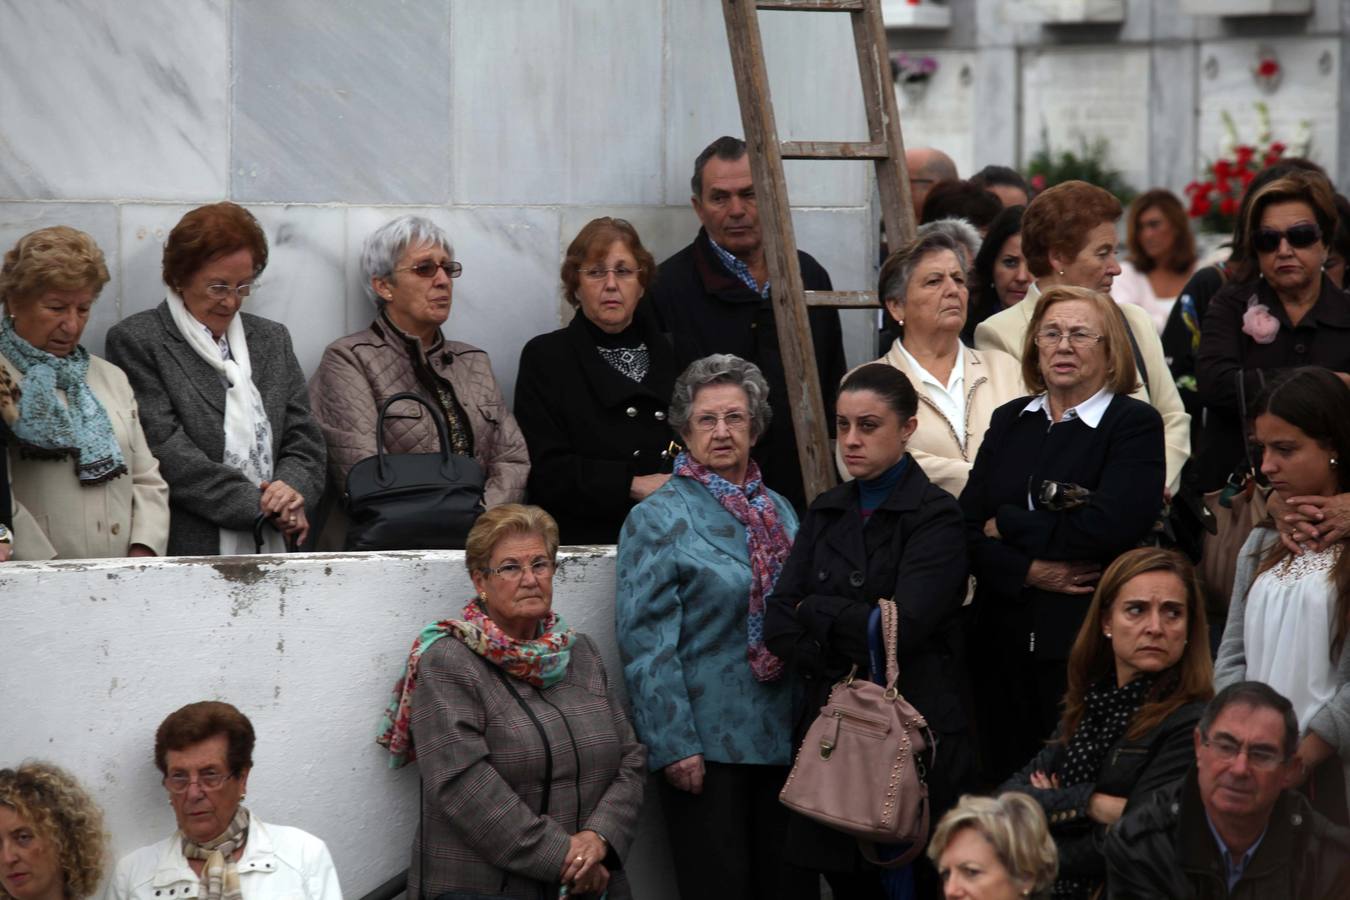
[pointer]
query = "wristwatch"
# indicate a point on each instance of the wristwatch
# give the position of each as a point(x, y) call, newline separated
point(6, 536)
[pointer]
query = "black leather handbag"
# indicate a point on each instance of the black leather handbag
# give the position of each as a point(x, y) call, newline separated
point(413, 501)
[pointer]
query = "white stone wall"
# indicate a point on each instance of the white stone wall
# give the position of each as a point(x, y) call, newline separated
point(512, 124)
point(97, 653)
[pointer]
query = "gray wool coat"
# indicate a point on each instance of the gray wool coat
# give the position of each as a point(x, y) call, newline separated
point(182, 404)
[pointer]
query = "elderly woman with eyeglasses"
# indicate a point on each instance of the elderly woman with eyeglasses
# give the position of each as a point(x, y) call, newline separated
point(234, 440)
point(1066, 480)
point(592, 398)
point(697, 562)
point(410, 268)
point(221, 850)
point(532, 778)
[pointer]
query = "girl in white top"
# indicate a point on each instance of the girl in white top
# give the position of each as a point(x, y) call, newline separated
point(1287, 625)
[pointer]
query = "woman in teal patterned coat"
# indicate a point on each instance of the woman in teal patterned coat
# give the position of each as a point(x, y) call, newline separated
point(697, 561)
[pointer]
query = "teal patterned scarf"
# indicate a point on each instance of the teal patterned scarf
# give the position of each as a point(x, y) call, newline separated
point(49, 429)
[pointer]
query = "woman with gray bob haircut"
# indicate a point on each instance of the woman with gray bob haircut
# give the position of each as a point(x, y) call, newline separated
point(923, 287)
point(410, 270)
point(697, 561)
point(995, 848)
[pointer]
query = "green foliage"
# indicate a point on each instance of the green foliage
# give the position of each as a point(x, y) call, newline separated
point(1091, 164)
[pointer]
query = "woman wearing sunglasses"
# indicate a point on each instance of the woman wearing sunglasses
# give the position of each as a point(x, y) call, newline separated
point(410, 269)
point(592, 398)
point(1280, 311)
point(234, 440)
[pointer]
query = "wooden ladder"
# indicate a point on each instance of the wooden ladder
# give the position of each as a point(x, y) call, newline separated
point(883, 147)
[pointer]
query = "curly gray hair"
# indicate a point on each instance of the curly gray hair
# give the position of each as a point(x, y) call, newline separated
point(386, 245)
point(721, 368)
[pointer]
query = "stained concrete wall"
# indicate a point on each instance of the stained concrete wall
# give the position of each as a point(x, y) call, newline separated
point(96, 653)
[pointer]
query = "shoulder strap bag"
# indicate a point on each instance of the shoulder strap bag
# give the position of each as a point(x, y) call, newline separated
point(413, 501)
point(863, 764)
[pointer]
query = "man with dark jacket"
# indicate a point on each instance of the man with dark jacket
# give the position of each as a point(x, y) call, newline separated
point(713, 297)
point(1231, 829)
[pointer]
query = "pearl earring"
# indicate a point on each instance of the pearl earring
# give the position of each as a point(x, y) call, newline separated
point(1334, 462)
point(1108, 635)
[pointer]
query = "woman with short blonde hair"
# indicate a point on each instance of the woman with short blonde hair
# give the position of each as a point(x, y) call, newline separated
point(996, 848)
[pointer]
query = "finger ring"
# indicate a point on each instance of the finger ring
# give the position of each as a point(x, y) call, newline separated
point(581, 859)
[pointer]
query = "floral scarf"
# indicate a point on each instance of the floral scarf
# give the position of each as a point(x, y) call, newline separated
point(768, 544)
point(46, 428)
point(220, 872)
point(541, 662)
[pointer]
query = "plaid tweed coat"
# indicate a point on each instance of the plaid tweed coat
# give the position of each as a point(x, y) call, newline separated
point(482, 765)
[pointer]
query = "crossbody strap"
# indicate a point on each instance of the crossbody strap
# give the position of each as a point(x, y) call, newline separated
point(6, 501)
point(543, 736)
point(1138, 358)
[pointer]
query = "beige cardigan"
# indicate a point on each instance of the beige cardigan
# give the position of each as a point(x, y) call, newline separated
point(991, 379)
point(56, 518)
point(1006, 331)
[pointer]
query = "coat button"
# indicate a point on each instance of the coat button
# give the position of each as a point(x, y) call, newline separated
point(660, 415)
point(665, 454)
point(855, 579)
point(822, 575)
point(636, 454)
point(632, 411)
point(1299, 348)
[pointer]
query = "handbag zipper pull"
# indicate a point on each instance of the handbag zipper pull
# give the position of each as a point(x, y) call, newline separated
point(828, 741)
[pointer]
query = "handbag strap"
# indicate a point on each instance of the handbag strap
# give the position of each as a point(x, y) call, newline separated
point(6, 501)
point(869, 849)
point(437, 418)
point(543, 736)
point(890, 636)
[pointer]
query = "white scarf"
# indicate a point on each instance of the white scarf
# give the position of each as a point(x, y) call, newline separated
point(248, 433)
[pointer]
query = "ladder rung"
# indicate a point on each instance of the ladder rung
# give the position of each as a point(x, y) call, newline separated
point(813, 5)
point(843, 299)
point(835, 150)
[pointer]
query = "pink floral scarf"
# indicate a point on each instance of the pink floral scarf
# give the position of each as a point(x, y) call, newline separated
point(768, 544)
point(540, 662)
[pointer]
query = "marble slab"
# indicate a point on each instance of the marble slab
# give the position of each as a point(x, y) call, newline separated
point(1089, 92)
point(1172, 102)
point(110, 101)
point(844, 241)
point(303, 286)
point(1308, 92)
point(556, 102)
point(99, 221)
point(509, 290)
point(941, 114)
point(994, 129)
point(351, 107)
point(813, 78)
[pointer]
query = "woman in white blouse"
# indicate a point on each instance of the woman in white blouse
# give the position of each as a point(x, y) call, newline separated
point(1288, 622)
point(923, 285)
point(1162, 255)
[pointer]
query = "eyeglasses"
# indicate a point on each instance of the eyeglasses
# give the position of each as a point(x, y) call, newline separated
point(427, 269)
point(540, 568)
point(178, 782)
point(1267, 240)
point(220, 291)
point(735, 421)
point(623, 273)
point(1049, 338)
point(1264, 758)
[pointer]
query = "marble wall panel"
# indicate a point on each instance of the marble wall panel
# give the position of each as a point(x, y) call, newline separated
point(1300, 107)
point(1172, 105)
point(1170, 23)
point(99, 221)
point(508, 292)
point(107, 101)
point(1342, 176)
point(352, 107)
point(813, 77)
point(994, 129)
point(844, 241)
point(1090, 92)
point(303, 286)
point(556, 102)
point(942, 113)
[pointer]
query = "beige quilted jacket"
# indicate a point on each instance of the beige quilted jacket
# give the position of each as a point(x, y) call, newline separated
point(359, 371)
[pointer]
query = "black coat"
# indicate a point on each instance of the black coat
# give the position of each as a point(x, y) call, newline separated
point(1133, 768)
point(1120, 461)
point(910, 549)
point(1164, 848)
point(590, 429)
point(1321, 338)
point(706, 310)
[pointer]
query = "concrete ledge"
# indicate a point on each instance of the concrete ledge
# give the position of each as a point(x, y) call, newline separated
point(97, 652)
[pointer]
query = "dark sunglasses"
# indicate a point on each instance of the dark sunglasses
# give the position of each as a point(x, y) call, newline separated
point(1267, 240)
point(427, 269)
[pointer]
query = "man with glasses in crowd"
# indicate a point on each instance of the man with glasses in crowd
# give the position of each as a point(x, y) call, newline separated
point(1231, 828)
point(713, 297)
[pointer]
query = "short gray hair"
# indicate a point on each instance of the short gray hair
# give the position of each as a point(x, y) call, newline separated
point(965, 234)
point(898, 269)
point(721, 368)
point(386, 245)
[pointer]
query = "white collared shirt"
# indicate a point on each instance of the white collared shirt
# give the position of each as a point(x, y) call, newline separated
point(1090, 410)
point(222, 342)
point(949, 398)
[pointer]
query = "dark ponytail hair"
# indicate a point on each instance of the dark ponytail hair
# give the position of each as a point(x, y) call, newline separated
point(888, 383)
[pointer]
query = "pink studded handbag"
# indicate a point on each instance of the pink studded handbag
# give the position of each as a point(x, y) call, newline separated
point(862, 766)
